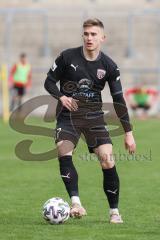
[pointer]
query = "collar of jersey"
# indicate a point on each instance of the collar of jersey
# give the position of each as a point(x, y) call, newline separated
point(98, 58)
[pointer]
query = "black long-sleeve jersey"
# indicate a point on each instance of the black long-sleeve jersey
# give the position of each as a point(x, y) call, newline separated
point(84, 80)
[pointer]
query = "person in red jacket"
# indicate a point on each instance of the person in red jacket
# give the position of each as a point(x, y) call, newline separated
point(20, 79)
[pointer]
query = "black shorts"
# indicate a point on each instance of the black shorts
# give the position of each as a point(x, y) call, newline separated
point(93, 129)
point(20, 91)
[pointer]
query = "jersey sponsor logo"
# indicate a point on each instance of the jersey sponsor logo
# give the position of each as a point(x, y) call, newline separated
point(84, 89)
point(85, 83)
point(75, 67)
point(54, 66)
point(101, 73)
point(85, 95)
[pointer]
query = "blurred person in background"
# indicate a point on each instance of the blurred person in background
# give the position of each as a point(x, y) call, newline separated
point(20, 80)
point(141, 100)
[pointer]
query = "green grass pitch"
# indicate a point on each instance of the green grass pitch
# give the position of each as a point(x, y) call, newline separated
point(25, 186)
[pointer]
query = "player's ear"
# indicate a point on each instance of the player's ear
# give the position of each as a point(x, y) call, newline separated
point(104, 38)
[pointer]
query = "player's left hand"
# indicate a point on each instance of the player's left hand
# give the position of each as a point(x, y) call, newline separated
point(130, 144)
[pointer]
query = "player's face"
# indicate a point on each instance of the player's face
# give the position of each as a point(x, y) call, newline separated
point(93, 37)
point(23, 60)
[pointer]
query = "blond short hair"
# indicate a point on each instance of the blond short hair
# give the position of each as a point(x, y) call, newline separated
point(93, 22)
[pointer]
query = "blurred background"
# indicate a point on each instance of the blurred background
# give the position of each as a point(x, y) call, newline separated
point(43, 28)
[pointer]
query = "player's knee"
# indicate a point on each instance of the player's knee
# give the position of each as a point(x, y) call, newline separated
point(65, 148)
point(106, 160)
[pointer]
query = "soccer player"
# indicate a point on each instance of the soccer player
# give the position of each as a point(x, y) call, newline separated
point(20, 78)
point(83, 72)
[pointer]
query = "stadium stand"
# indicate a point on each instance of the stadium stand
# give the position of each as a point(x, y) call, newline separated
point(44, 28)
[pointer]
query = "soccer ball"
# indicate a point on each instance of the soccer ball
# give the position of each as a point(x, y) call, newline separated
point(56, 210)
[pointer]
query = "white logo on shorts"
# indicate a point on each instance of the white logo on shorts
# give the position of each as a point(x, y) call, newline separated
point(57, 132)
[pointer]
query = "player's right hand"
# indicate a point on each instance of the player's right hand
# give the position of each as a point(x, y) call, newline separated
point(69, 102)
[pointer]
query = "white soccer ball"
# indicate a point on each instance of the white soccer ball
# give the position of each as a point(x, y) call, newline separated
point(56, 210)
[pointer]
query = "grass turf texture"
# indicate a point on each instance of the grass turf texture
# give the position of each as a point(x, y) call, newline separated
point(25, 186)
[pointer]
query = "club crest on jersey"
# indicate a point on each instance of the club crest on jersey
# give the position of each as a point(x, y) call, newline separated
point(100, 73)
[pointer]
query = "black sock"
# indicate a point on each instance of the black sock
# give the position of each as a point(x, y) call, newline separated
point(111, 186)
point(69, 175)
